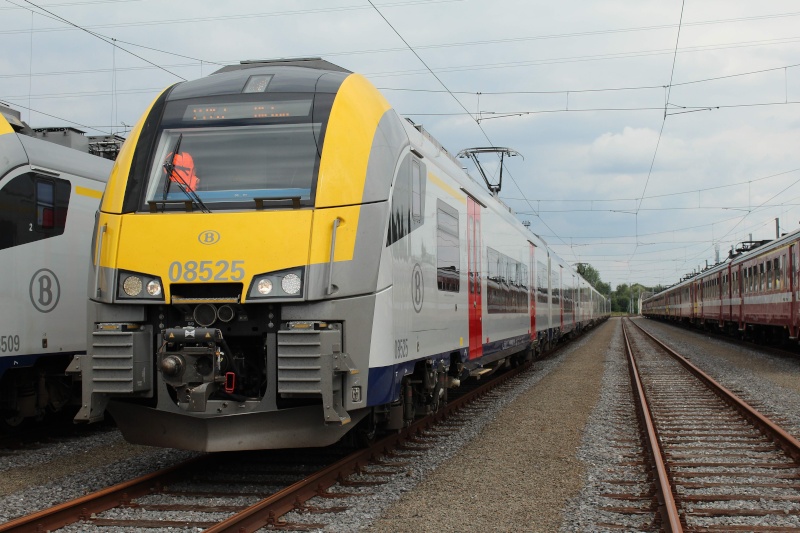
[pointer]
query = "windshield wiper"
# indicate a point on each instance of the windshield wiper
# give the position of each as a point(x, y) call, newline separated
point(169, 168)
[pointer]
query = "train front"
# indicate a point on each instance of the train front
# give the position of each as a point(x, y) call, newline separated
point(236, 261)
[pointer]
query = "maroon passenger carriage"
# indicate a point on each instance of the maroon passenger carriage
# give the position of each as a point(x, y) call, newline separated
point(753, 294)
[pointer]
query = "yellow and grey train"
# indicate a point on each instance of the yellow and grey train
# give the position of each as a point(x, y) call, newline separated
point(49, 195)
point(280, 258)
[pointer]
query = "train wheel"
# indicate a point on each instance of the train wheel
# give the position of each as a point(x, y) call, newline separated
point(11, 421)
point(364, 434)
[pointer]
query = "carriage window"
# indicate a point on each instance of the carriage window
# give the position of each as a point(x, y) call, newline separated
point(776, 266)
point(541, 282)
point(770, 275)
point(32, 208)
point(448, 251)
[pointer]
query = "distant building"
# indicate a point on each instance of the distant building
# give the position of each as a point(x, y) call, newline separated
point(69, 137)
point(106, 146)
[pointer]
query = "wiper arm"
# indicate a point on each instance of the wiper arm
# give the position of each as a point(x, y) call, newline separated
point(169, 167)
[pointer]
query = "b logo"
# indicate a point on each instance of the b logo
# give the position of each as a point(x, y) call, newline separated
point(417, 288)
point(44, 290)
point(208, 237)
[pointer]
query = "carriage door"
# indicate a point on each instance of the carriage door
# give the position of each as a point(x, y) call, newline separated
point(474, 277)
point(532, 291)
point(791, 270)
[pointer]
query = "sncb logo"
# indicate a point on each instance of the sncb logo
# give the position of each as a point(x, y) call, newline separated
point(209, 237)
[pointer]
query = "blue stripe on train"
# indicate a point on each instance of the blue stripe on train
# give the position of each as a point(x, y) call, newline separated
point(384, 382)
point(24, 361)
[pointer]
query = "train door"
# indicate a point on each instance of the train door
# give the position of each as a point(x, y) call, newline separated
point(576, 301)
point(792, 278)
point(532, 294)
point(728, 293)
point(474, 276)
point(741, 285)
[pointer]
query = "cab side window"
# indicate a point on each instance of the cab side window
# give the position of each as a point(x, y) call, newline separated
point(33, 207)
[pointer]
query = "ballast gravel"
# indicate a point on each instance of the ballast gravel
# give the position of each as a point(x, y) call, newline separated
point(31, 480)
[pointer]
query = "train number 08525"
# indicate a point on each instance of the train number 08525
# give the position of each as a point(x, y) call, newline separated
point(206, 271)
point(9, 343)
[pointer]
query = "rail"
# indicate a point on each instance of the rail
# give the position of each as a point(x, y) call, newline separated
point(667, 504)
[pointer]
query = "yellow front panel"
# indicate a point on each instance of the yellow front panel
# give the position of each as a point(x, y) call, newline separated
point(5, 127)
point(259, 242)
point(356, 111)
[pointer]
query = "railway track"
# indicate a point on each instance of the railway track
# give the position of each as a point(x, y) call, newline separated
point(247, 491)
point(713, 463)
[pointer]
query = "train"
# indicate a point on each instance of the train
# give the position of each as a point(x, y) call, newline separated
point(49, 195)
point(752, 295)
point(281, 260)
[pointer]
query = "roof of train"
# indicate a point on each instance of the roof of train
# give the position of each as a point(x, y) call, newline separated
point(49, 156)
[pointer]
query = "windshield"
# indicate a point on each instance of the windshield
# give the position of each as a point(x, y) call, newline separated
point(236, 164)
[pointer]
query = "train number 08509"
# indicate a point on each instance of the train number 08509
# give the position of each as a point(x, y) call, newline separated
point(206, 271)
point(9, 343)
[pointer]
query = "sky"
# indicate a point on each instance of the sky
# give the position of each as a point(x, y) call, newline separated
point(654, 135)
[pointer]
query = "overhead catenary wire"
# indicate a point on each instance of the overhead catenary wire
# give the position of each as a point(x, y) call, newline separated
point(477, 121)
point(62, 19)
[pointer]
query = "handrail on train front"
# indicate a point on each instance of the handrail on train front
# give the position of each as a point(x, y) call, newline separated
point(97, 291)
point(336, 222)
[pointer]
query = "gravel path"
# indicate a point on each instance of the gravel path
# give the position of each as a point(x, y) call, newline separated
point(518, 473)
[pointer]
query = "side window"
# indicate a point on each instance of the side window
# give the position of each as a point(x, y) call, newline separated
point(416, 191)
point(769, 274)
point(408, 200)
point(448, 272)
point(45, 204)
point(541, 282)
point(32, 208)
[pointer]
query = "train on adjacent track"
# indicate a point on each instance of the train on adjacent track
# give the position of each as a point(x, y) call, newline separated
point(49, 195)
point(752, 295)
point(280, 259)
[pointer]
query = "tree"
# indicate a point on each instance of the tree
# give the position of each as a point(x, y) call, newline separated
point(591, 275)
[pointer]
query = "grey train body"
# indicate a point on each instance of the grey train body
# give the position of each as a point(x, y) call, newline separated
point(48, 198)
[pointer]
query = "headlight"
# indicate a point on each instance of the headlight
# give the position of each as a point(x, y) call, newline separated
point(154, 288)
point(264, 286)
point(132, 285)
point(282, 284)
point(291, 284)
point(139, 286)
